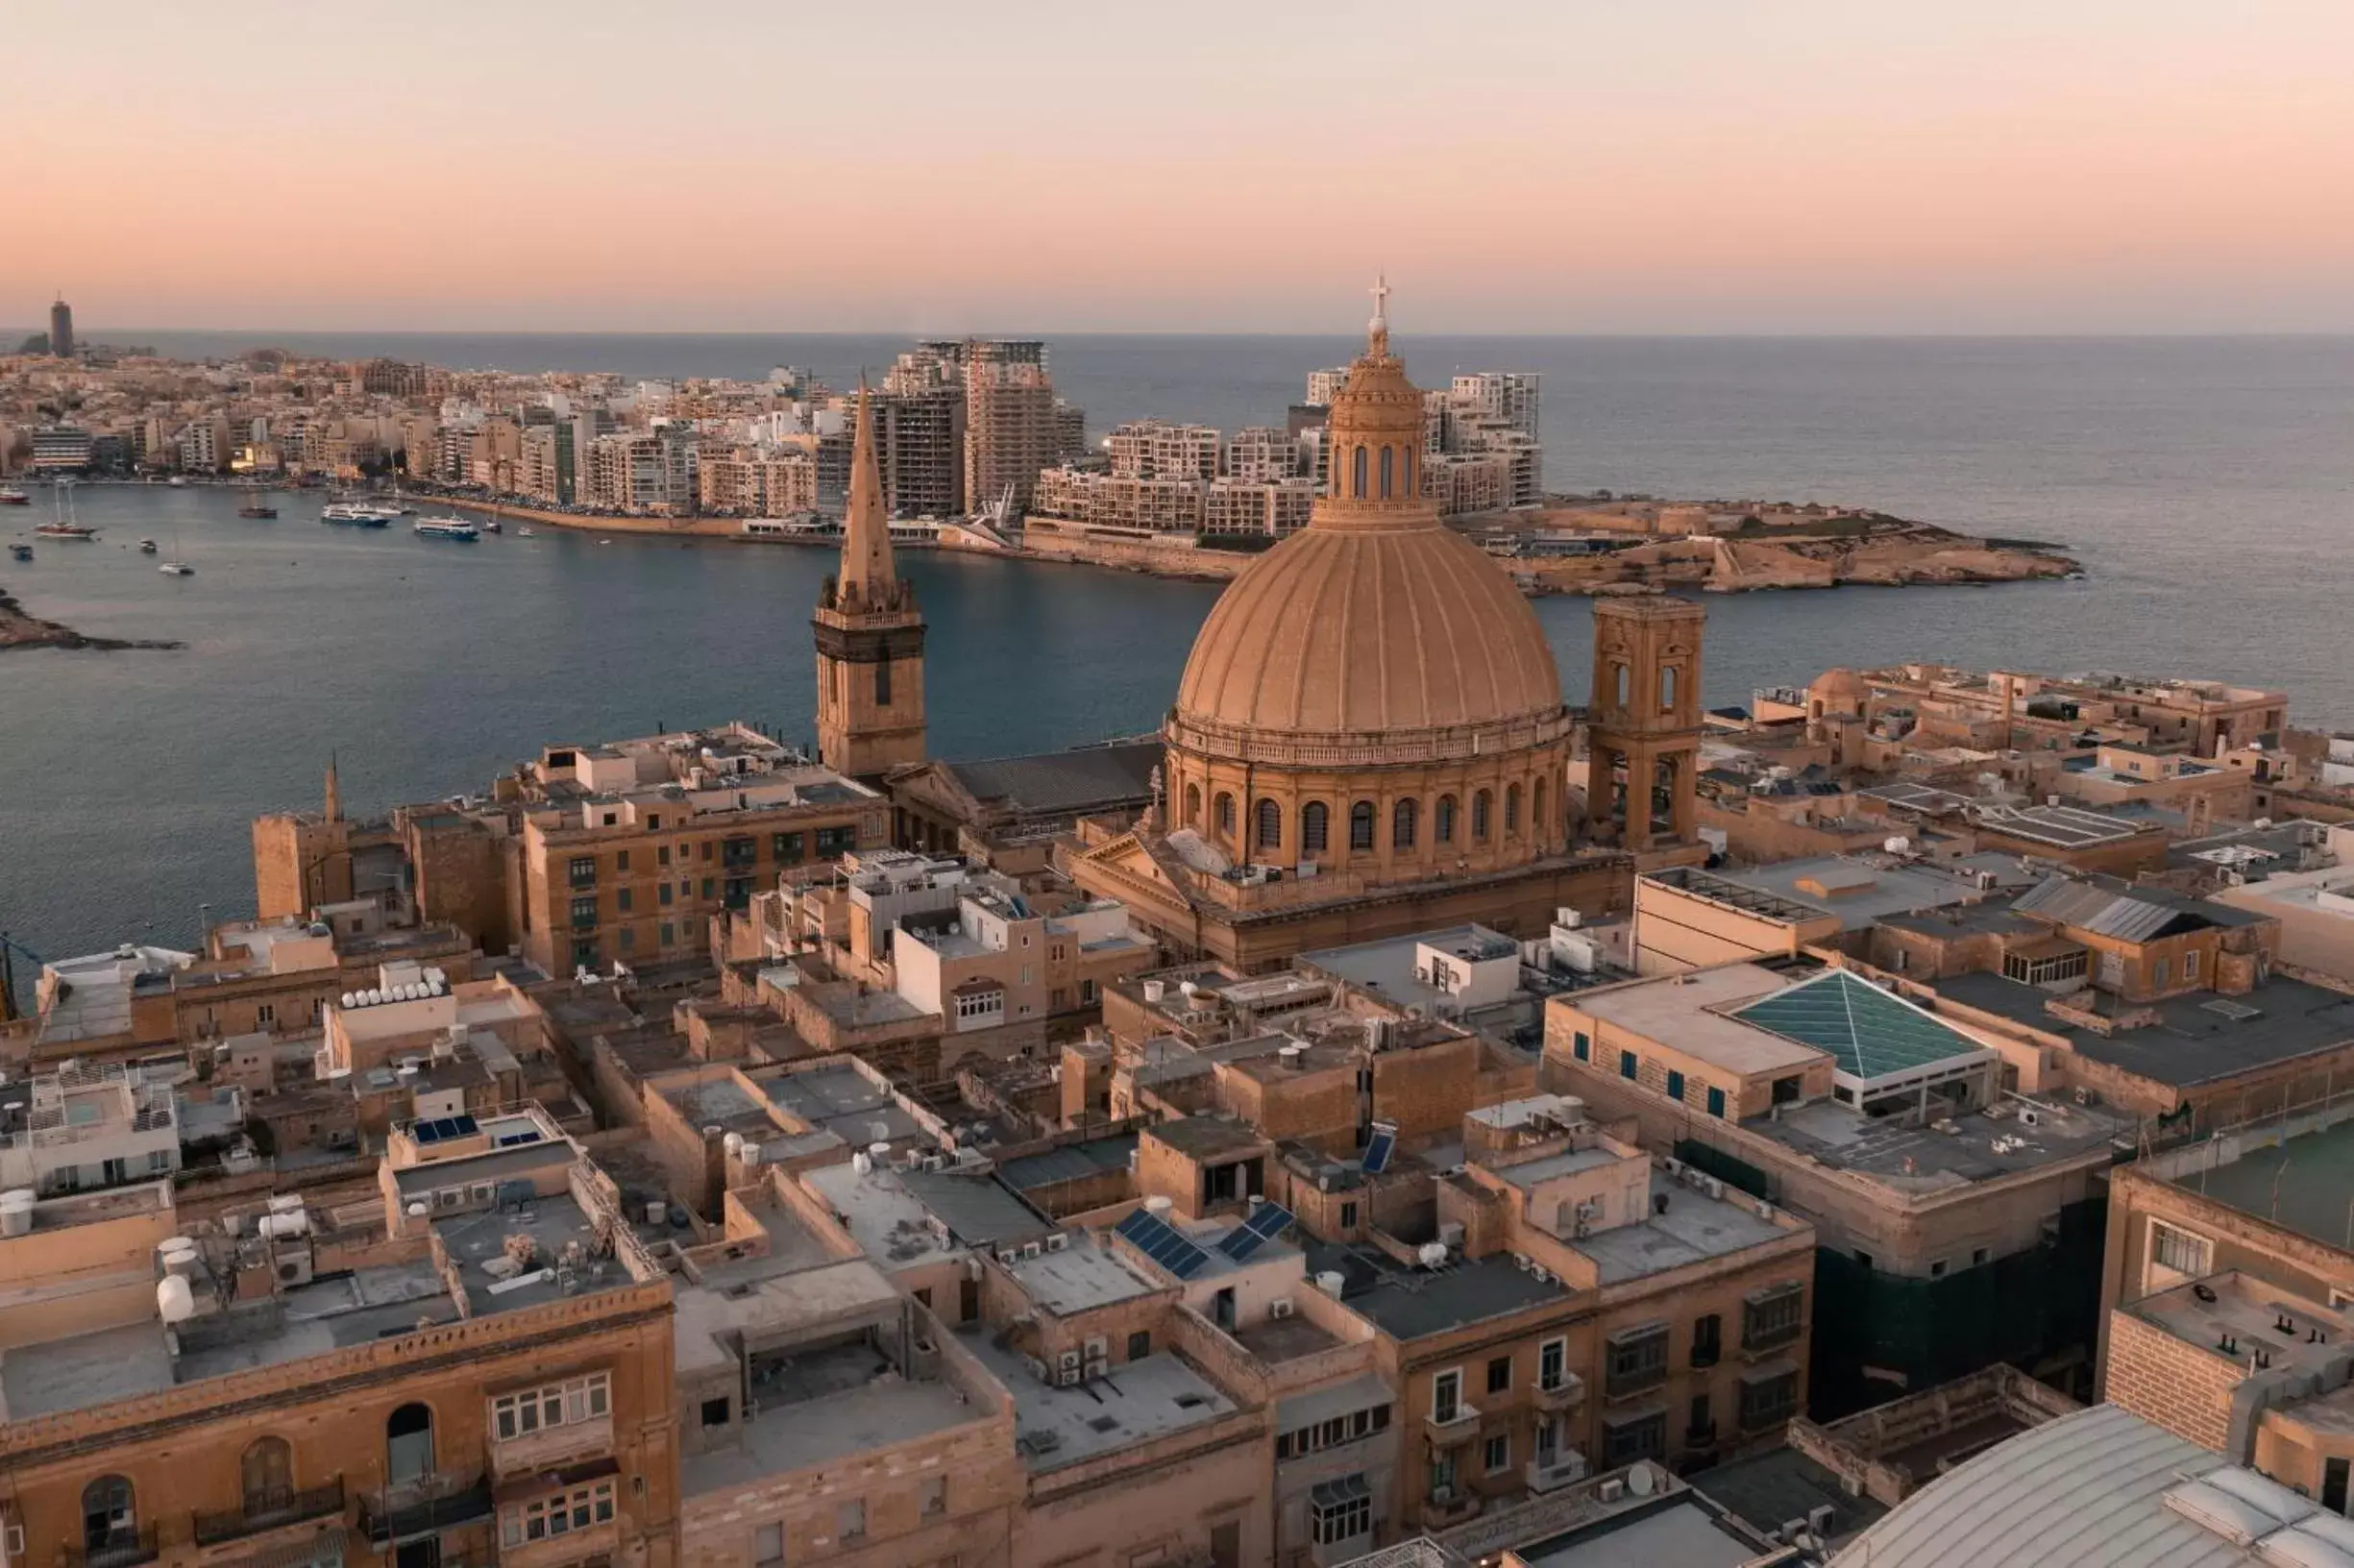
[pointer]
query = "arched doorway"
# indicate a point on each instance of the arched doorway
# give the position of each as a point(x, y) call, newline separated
point(409, 1444)
point(109, 1517)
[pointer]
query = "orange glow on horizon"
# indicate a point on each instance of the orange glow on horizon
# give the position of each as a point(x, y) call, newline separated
point(1811, 166)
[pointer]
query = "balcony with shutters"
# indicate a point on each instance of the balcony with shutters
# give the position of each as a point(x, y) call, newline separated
point(569, 1442)
point(121, 1549)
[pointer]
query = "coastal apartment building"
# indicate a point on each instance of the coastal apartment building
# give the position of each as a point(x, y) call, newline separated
point(1157, 449)
point(480, 1370)
point(1012, 431)
point(744, 481)
point(1957, 1220)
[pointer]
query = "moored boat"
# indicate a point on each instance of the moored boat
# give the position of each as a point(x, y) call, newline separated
point(448, 528)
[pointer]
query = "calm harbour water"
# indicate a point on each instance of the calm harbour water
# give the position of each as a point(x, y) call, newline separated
point(2208, 486)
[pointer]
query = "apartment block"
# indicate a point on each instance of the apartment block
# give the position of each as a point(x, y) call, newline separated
point(1944, 1203)
point(485, 1371)
point(746, 482)
point(85, 1127)
point(1154, 449)
point(624, 852)
point(1117, 501)
point(1261, 452)
point(1266, 508)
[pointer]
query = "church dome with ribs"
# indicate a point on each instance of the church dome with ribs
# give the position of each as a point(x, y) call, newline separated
point(1375, 662)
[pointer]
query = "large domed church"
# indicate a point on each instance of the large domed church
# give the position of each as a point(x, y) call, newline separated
point(1369, 737)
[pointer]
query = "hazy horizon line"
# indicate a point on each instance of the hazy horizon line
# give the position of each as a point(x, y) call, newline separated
point(97, 334)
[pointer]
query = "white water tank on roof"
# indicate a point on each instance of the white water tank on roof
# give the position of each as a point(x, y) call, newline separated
point(860, 1164)
point(16, 1210)
point(1332, 1282)
point(878, 1151)
point(174, 1301)
point(733, 1144)
point(1155, 990)
point(1432, 1254)
point(1158, 1206)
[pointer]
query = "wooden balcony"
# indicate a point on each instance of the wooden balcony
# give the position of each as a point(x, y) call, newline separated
point(550, 1447)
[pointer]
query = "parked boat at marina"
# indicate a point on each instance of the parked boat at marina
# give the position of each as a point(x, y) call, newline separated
point(448, 528)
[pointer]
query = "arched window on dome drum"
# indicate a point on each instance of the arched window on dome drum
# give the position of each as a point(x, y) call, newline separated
point(1358, 468)
point(1479, 818)
point(1624, 681)
point(1270, 830)
point(1442, 819)
point(1404, 818)
point(1224, 807)
point(1537, 811)
point(1315, 827)
point(1193, 805)
point(1667, 689)
point(1388, 465)
point(1511, 808)
point(1406, 470)
point(1360, 825)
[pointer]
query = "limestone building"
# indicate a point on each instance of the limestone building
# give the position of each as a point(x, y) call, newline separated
point(1369, 738)
point(870, 637)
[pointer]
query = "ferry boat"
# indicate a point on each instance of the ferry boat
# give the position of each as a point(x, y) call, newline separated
point(147, 547)
point(10, 496)
point(357, 513)
point(176, 569)
point(448, 528)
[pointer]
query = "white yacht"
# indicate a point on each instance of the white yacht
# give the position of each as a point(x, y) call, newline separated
point(448, 528)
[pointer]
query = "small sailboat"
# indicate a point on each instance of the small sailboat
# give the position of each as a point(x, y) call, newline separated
point(147, 547)
point(64, 527)
point(175, 567)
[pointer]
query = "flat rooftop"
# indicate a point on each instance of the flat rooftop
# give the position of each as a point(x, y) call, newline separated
point(1080, 1277)
point(1414, 1305)
point(1690, 1012)
point(721, 1103)
point(1695, 1229)
point(2247, 1312)
point(2197, 1038)
point(99, 1368)
point(839, 1099)
point(1676, 1529)
point(866, 1406)
point(1865, 891)
point(2300, 1184)
point(1137, 1403)
point(1209, 1137)
point(553, 1224)
point(1071, 1161)
point(1983, 1145)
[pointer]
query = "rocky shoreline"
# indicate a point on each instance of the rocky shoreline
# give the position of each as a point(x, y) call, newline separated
point(20, 629)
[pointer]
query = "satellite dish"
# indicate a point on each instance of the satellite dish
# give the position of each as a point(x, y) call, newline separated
point(1639, 1479)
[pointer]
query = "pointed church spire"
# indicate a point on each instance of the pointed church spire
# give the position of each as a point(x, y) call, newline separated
point(868, 577)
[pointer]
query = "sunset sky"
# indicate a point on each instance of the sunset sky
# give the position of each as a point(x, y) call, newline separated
point(1558, 165)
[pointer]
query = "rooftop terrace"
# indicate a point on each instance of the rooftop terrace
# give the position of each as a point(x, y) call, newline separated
point(1137, 1403)
point(1693, 1229)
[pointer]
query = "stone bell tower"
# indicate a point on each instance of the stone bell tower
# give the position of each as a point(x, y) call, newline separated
point(870, 636)
point(1643, 740)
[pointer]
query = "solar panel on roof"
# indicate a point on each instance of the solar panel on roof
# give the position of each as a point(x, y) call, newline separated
point(1265, 1222)
point(1384, 1143)
point(465, 1125)
point(1163, 1242)
point(423, 1132)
